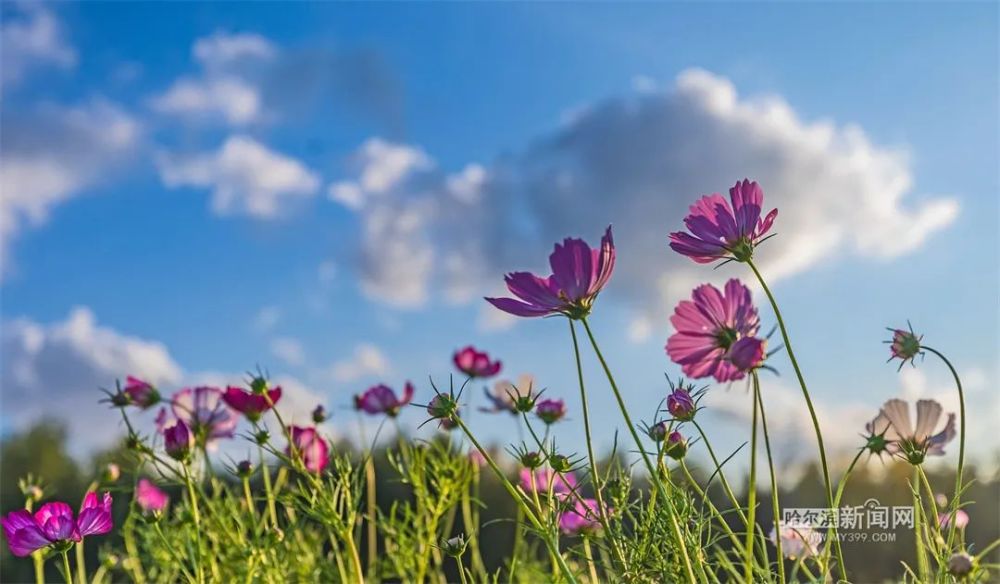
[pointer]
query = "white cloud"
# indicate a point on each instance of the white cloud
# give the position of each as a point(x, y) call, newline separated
point(266, 318)
point(53, 153)
point(236, 101)
point(31, 37)
point(55, 370)
point(367, 361)
point(381, 167)
point(288, 350)
point(222, 49)
point(639, 162)
point(245, 177)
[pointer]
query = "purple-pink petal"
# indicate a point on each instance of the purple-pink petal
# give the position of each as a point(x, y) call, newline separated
point(23, 533)
point(95, 516)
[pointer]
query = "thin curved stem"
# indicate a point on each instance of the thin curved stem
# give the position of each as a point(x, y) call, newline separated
point(812, 410)
point(722, 475)
point(961, 443)
point(711, 506)
point(840, 493)
point(654, 477)
point(751, 498)
point(775, 507)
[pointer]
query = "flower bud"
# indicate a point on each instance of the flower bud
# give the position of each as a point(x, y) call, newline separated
point(680, 404)
point(455, 546)
point(244, 469)
point(531, 460)
point(658, 431)
point(676, 446)
point(960, 565)
point(177, 441)
point(110, 473)
point(319, 415)
point(141, 393)
point(262, 437)
point(551, 411)
point(560, 463)
point(442, 406)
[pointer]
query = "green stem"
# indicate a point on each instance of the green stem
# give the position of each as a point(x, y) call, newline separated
point(197, 518)
point(66, 569)
point(748, 561)
point(961, 444)
point(39, 568)
point(268, 492)
point(173, 552)
point(775, 507)
point(461, 570)
point(711, 506)
point(594, 476)
point(812, 410)
point(553, 549)
point(722, 475)
point(675, 528)
point(81, 563)
point(840, 493)
point(923, 567)
point(589, 555)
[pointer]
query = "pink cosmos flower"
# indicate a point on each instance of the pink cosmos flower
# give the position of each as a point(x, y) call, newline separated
point(562, 483)
point(251, 405)
point(177, 440)
point(583, 517)
point(905, 346)
point(205, 413)
point(550, 411)
point(149, 497)
point(579, 273)
point(380, 399)
point(477, 459)
point(53, 524)
point(719, 231)
point(310, 448)
point(961, 519)
point(680, 404)
point(709, 326)
point(913, 442)
point(475, 363)
point(797, 542)
point(141, 393)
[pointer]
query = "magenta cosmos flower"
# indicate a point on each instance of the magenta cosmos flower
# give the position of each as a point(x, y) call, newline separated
point(251, 405)
point(177, 440)
point(141, 393)
point(310, 448)
point(53, 524)
point(712, 328)
point(550, 411)
point(718, 230)
point(578, 275)
point(205, 413)
point(582, 518)
point(475, 363)
point(561, 483)
point(382, 400)
point(913, 442)
point(149, 497)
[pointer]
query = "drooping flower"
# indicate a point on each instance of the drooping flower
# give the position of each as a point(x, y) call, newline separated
point(676, 446)
point(550, 411)
point(310, 448)
point(561, 483)
point(719, 231)
point(141, 393)
point(914, 442)
point(177, 441)
point(905, 346)
point(53, 525)
point(680, 404)
point(961, 519)
point(205, 413)
point(709, 326)
point(506, 396)
point(251, 405)
point(380, 399)
point(579, 273)
point(475, 363)
point(797, 542)
point(149, 497)
point(582, 518)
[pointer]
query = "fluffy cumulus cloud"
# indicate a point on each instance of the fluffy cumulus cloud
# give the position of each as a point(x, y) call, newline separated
point(31, 37)
point(366, 361)
point(53, 153)
point(245, 176)
point(638, 162)
point(289, 350)
point(55, 370)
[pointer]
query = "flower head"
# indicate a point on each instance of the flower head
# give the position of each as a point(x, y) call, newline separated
point(380, 399)
point(913, 443)
point(205, 413)
point(961, 520)
point(177, 441)
point(141, 393)
point(442, 406)
point(718, 230)
point(710, 327)
point(961, 564)
point(579, 273)
point(309, 448)
point(149, 497)
point(53, 525)
point(550, 411)
point(475, 363)
point(905, 346)
point(251, 405)
point(542, 479)
point(797, 542)
point(680, 404)
point(583, 517)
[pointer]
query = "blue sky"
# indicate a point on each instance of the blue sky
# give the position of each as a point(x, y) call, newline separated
point(328, 189)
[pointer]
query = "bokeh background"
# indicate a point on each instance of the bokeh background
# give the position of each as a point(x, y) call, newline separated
point(326, 191)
